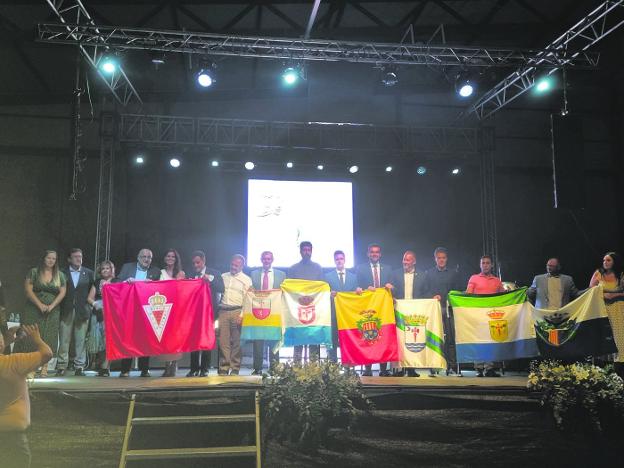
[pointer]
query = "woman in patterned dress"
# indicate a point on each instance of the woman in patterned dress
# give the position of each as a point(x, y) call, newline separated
point(45, 289)
point(611, 277)
point(96, 343)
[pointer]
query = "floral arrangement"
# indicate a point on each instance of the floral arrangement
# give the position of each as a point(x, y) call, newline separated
point(578, 389)
point(300, 404)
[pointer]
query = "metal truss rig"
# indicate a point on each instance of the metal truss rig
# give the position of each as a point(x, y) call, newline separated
point(573, 43)
point(162, 130)
point(72, 12)
point(120, 38)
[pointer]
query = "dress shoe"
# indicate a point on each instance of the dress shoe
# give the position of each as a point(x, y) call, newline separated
point(145, 373)
point(412, 373)
point(124, 374)
point(479, 372)
point(203, 373)
point(233, 372)
point(492, 373)
point(103, 373)
point(385, 373)
point(367, 373)
point(61, 372)
point(256, 372)
point(79, 372)
point(192, 373)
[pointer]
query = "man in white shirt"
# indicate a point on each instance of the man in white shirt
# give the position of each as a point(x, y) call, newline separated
point(231, 316)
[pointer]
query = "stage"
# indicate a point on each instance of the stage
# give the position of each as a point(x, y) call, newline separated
point(510, 382)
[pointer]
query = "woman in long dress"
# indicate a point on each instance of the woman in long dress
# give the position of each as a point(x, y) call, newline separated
point(96, 339)
point(172, 271)
point(611, 276)
point(45, 289)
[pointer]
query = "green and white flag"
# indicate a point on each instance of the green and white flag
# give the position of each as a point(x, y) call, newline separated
point(420, 333)
point(493, 327)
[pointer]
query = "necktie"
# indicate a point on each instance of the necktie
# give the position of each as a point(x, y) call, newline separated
point(341, 278)
point(375, 276)
point(265, 280)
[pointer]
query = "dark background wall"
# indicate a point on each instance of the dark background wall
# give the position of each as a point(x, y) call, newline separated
point(199, 207)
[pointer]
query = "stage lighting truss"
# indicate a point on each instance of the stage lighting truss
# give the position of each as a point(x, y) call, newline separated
point(73, 16)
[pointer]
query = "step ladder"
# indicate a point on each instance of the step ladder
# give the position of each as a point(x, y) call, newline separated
point(190, 452)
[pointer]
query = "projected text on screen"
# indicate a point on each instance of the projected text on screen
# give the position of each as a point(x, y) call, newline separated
point(281, 214)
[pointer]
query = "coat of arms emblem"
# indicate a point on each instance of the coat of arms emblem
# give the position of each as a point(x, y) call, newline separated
point(157, 311)
point(306, 310)
point(499, 328)
point(415, 332)
point(369, 326)
point(260, 306)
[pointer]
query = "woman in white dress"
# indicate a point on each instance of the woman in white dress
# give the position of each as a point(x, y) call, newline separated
point(172, 271)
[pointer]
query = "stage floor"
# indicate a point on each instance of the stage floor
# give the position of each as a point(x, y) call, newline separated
point(91, 383)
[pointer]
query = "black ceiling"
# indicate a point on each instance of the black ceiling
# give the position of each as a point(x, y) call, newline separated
point(36, 72)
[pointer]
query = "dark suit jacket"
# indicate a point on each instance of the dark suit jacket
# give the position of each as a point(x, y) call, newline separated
point(217, 287)
point(256, 278)
point(333, 280)
point(399, 285)
point(365, 275)
point(76, 297)
point(539, 290)
point(129, 269)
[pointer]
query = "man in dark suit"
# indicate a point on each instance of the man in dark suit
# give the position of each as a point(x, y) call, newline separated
point(553, 289)
point(408, 284)
point(339, 280)
point(373, 275)
point(75, 313)
point(265, 278)
point(200, 360)
point(141, 270)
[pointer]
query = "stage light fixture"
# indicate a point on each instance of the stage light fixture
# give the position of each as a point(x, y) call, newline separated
point(389, 77)
point(320, 167)
point(292, 74)
point(388, 168)
point(466, 89)
point(108, 63)
point(289, 165)
point(353, 169)
point(139, 160)
point(455, 171)
point(205, 77)
point(421, 170)
point(465, 84)
point(214, 163)
point(249, 166)
point(544, 85)
point(174, 162)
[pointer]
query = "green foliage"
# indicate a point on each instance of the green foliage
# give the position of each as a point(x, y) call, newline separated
point(300, 404)
point(578, 393)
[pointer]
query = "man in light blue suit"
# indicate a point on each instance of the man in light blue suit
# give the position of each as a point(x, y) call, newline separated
point(339, 280)
point(262, 279)
point(552, 290)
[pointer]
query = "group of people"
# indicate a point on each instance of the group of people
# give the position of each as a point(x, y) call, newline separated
point(66, 304)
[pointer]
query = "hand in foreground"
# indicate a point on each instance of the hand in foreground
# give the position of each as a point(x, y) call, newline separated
point(31, 331)
point(437, 297)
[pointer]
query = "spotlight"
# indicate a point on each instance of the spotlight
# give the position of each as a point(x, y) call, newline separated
point(466, 89)
point(291, 75)
point(139, 160)
point(205, 77)
point(353, 169)
point(320, 167)
point(388, 168)
point(214, 163)
point(175, 162)
point(108, 63)
point(421, 170)
point(455, 171)
point(389, 77)
point(289, 165)
point(249, 166)
point(543, 85)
